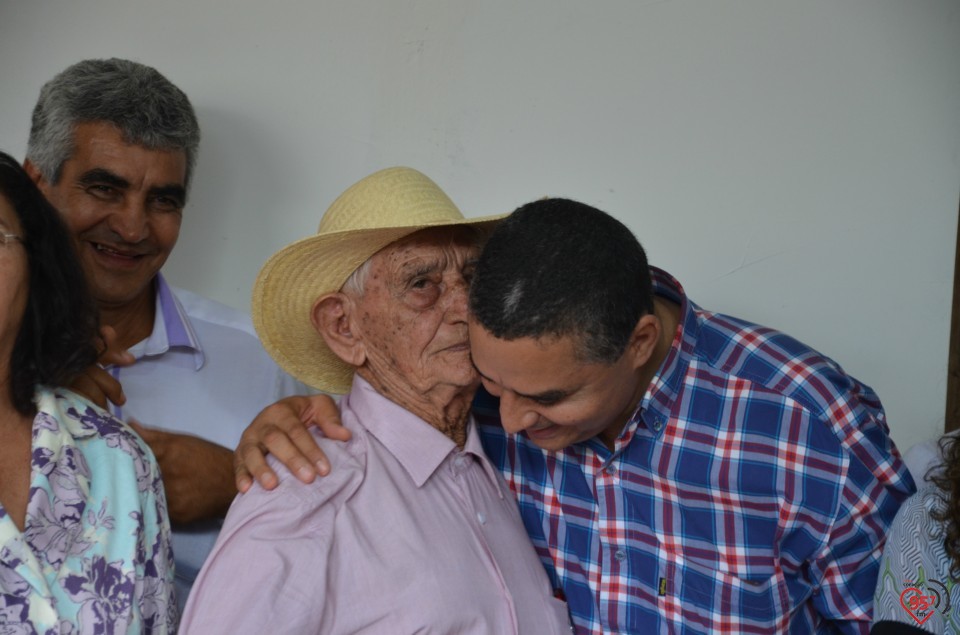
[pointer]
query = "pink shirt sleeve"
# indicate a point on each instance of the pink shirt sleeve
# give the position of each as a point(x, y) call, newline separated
point(267, 572)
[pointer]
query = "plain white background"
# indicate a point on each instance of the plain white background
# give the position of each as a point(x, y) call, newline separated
point(795, 163)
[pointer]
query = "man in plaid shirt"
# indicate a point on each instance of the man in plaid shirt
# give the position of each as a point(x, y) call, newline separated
point(679, 471)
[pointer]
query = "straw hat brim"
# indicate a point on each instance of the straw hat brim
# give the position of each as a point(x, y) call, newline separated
point(293, 278)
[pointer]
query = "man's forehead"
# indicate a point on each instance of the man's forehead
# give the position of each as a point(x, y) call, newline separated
point(422, 249)
point(539, 363)
point(100, 145)
point(459, 235)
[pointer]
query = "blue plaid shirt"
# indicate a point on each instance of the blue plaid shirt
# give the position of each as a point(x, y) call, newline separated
point(749, 493)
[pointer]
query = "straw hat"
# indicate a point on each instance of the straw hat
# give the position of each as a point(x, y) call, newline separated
point(371, 214)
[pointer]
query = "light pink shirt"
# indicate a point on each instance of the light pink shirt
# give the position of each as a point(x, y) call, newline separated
point(407, 534)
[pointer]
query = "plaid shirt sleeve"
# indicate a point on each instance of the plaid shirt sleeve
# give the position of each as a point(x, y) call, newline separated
point(874, 484)
point(839, 478)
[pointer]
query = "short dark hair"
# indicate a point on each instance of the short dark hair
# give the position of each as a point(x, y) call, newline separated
point(144, 105)
point(556, 267)
point(56, 338)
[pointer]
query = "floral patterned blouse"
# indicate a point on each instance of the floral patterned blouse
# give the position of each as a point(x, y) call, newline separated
point(94, 556)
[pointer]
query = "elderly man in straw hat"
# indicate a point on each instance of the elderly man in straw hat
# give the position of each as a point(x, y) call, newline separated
point(414, 530)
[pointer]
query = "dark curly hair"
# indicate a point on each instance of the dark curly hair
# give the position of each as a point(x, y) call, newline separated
point(56, 338)
point(948, 480)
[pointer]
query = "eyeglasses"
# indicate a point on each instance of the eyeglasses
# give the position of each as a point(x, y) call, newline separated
point(9, 239)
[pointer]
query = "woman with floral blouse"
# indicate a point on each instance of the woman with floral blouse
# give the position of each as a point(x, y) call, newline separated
point(84, 536)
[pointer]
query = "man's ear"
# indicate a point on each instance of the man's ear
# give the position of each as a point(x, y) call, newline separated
point(34, 173)
point(644, 339)
point(332, 317)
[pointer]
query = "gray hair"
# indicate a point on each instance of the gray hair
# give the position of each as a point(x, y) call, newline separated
point(356, 283)
point(143, 104)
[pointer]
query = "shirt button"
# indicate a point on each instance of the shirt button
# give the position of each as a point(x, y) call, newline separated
point(481, 518)
point(657, 424)
point(610, 470)
point(620, 555)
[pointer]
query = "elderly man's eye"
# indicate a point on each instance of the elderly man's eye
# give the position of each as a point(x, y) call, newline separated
point(422, 293)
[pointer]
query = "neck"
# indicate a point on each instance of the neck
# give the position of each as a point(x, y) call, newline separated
point(668, 313)
point(446, 408)
point(132, 321)
point(11, 419)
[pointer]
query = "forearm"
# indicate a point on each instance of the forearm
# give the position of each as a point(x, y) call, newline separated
point(197, 474)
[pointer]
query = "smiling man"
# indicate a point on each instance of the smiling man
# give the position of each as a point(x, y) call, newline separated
point(124, 204)
point(678, 470)
point(113, 146)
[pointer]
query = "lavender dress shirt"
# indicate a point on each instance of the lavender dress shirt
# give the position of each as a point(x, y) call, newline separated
point(406, 535)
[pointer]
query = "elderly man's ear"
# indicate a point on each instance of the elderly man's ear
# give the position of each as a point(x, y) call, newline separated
point(333, 317)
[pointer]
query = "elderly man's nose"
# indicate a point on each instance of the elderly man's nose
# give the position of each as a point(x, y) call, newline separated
point(457, 298)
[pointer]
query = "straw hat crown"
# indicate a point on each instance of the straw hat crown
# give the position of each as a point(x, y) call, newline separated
point(391, 197)
point(368, 216)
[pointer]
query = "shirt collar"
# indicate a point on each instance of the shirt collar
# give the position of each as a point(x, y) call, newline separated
point(418, 447)
point(171, 328)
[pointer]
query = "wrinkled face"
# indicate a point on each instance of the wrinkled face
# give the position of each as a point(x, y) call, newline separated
point(550, 396)
point(413, 313)
point(14, 281)
point(122, 204)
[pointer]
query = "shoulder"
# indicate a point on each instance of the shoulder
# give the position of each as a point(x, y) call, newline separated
point(913, 521)
point(61, 411)
point(347, 466)
point(202, 309)
point(926, 458)
point(916, 539)
point(103, 456)
point(778, 365)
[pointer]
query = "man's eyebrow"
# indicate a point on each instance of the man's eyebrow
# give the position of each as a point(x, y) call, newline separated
point(174, 191)
point(103, 177)
point(418, 268)
point(546, 396)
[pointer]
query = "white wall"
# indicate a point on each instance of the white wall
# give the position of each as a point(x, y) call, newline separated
point(796, 163)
